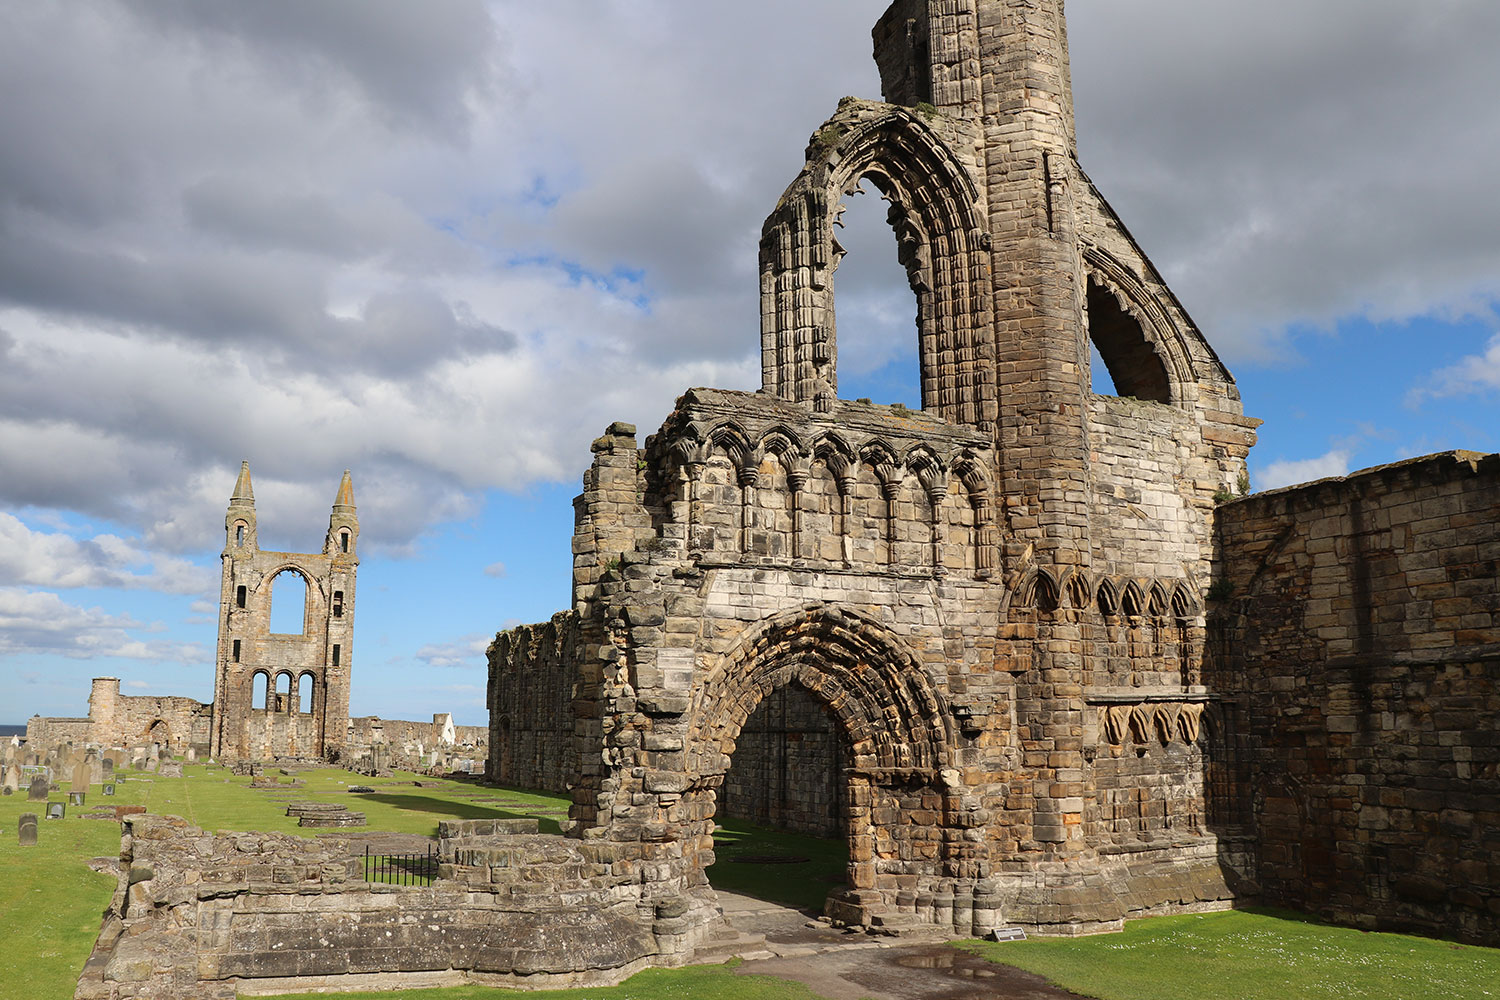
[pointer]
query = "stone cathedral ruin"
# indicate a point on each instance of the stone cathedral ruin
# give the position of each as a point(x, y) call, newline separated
point(1016, 647)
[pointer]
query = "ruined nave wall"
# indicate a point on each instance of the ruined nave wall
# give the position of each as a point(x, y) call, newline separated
point(1362, 628)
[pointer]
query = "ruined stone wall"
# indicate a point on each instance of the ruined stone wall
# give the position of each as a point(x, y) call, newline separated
point(196, 914)
point(1362, 627)
point(117, 720)
point(532, 671)
point(788, 769)
point(43, 733)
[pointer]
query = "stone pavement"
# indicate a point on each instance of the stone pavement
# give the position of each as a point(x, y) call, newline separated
point(780, 941)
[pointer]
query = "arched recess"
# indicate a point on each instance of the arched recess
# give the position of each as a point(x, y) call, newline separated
point(307, 693)
point(1139, 343)
point(941, 242)
point(260, 690)
point(160, 734)
point(896, 730)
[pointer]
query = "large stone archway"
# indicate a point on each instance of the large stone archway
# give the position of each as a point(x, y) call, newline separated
point(902, 789)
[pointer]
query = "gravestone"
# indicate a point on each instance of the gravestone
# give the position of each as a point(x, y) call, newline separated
point(108, 763)
point(75, 798)
point(109, 789)
point(81, 776)
point(7, 790)
point(39, 789)
point(56, 810)
point(171, 769)
point(192, 755)
point(95, 766)
point(152, 763)
point(27, 829)
point(13, 778)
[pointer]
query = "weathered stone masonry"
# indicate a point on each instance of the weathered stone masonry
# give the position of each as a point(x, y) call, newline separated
point(997, 599)
point(1360, 631)
point(262, 678)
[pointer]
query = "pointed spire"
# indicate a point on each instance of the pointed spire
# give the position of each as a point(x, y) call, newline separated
point(243, 495)
point(345, 496)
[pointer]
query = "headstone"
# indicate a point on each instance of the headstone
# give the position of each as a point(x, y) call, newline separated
point(96, 767)
point(81, 777)
point(109, 789)
point(7, 790)
point(107, 766)
point(56, 810)
point(154, 753)
point(171, 769)
point(192, 755)
point(152, 763)
point(75, 798)
point(27, 829)
point(39, 789)
point(13, 778)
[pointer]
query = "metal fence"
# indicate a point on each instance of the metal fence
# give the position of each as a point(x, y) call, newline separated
point(401, 869)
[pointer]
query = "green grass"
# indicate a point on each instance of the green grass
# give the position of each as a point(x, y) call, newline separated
point(803, 884)
point(1253, 955)
point(699, 982)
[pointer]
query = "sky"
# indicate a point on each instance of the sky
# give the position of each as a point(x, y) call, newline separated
point(445, 245)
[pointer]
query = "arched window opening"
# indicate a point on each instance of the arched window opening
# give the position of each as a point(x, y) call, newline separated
point(260, 693)
point(283, 692)
point(338, 604)
point(306, 684)
point(877, 309)
point(289, 603)
point(239, 535)
point(1109, 605)
point(1123, 360)
point(343, 541)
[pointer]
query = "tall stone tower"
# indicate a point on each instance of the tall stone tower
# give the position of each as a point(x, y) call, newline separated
point(284, 694)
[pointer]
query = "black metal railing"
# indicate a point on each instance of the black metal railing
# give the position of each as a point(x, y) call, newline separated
point(401, 869)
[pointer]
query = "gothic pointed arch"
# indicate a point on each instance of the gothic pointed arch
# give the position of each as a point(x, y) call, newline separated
point(941, 241)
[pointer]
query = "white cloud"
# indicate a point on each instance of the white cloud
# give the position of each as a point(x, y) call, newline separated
point(55, 559)
point(1476, 373)
point(466, 651)
point(495, 569)
point(1287, 473)
point(43, 623)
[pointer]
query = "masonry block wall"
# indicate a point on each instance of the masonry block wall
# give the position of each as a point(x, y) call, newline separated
point(1361, 634)
point(532, 670)
point(117, 720)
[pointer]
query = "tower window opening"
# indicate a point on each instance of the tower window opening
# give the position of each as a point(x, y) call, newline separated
point(239, 534)
point(1124, 363)
point(876, 307)
point(338, 604)
point(236, 651)
point(239, 597)
point(289, 603)
point(337, 650)
point(343, 541)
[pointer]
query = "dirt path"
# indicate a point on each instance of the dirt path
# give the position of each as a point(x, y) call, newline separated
point(854, 966)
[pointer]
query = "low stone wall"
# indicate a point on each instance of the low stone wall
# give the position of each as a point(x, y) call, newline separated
point(1362, 623)
point(203, 916)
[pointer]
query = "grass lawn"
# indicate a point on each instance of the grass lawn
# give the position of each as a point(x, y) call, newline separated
point(1253, 955)
point(803, 884)
point(51, 903)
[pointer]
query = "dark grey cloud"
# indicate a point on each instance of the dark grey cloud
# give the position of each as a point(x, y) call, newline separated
point(1294, 163)
point(382, 235)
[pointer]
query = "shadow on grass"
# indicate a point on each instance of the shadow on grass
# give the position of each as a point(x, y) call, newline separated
point(793, 869)
point(459, 810)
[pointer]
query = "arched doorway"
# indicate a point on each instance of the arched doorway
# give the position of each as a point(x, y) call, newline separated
point(899, 790)
point(159, 735)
